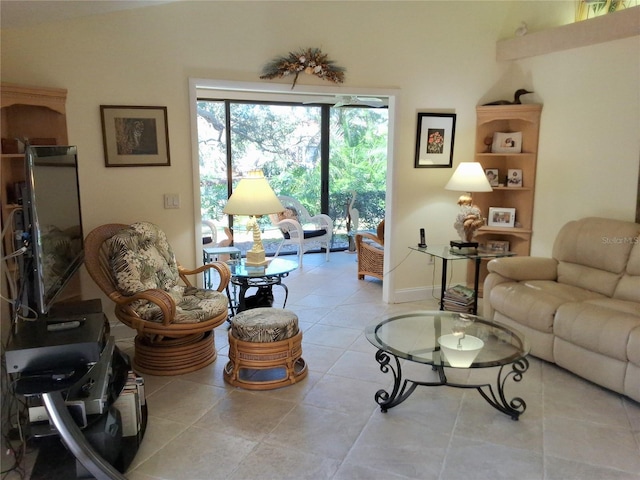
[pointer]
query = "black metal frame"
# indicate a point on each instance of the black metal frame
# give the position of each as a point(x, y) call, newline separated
point(496, 398)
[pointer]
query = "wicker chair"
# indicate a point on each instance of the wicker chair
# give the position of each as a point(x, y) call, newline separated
point(174, 322)
point(301, 229)
point(370, 249)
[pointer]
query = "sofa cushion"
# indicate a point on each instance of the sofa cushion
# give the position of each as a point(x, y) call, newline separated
point(593, 253)
point(633, 347)
point(619, 305)
point(596, 328)
point(535, 303)
point(629, 285)
point(632, 377)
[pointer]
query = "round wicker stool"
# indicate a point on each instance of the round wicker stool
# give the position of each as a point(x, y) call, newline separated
point(265, 350)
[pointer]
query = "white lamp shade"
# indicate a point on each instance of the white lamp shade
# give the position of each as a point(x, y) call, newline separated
point(460, 352)
point(253, 196)
point(469, 177)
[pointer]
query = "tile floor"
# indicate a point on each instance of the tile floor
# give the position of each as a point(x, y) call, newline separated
point(329, 427)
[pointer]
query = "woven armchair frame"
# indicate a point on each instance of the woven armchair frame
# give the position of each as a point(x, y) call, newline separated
point(160, 342)
point(370, 256)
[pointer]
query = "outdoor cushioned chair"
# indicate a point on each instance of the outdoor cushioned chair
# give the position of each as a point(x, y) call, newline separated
point(301, 229)
point(135, 267)
point(370, 249)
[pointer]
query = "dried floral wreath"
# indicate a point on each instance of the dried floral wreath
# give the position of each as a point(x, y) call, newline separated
point(310, 61)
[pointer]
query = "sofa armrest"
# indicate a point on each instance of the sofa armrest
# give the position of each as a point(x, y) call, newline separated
point(524, 268)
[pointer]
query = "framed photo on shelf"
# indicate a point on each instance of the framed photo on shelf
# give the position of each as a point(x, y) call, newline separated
point(135, 136)
point(514, 177)
point(434, 140)
point(493, 176)
point(502, 217)
point(500, 246)
point(507, 142)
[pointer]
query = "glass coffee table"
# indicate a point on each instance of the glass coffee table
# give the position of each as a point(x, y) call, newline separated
point(449, 340)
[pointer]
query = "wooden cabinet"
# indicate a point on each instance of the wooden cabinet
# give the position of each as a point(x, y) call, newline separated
point(508, 119)
point(28, 114)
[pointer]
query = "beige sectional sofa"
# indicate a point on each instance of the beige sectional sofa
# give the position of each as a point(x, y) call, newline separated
point(581, 308)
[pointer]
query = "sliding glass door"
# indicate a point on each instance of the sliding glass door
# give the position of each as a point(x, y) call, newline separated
point(332, 160)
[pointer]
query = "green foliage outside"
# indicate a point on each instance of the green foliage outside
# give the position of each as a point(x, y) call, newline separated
point(284, 141)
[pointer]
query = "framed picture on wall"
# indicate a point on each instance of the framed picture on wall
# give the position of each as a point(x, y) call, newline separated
point(501, 217)
point(434, 140)
point(135, 136)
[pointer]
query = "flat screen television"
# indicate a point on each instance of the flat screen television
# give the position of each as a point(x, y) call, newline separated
point(53, 222)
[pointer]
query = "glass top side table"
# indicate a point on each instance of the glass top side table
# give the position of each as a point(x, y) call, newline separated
point(447, 253)
point(262, 277)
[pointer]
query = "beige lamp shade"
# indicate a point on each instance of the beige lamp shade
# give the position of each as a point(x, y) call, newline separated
point(253, 196)
point(469, 177)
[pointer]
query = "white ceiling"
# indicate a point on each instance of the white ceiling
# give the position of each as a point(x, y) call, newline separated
point(25, 13)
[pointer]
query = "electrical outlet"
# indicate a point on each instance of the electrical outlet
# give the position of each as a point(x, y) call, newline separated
point(431, 260)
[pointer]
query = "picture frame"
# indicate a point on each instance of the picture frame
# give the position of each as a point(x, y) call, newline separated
point(514, 178)
point(135, 136)
point(493, 176)
point(507, 142)
point(501, 217)
point(434, 140)
point(497, 246)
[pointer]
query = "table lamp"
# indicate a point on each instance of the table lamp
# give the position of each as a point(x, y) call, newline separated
point(469, 177)
point(253, 197)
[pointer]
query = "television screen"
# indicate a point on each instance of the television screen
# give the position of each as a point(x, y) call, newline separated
point(51, 206)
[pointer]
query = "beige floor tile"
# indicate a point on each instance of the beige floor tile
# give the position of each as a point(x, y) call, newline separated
point(344, 395)
point(327, 433)
point(198, 454)
point(483, 460)
point(331, 336)
point(565, 394)
point(159, 433)
point(284, 463)
point(591, 443)
point(245, 414)
point(561, 469)
point(320, 358)
point(184, 401)
point(480, 421)
point(360, 366)
point(400, 447)
point(348, 471)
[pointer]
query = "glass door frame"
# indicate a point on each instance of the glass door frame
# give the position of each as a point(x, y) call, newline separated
point(275, 91)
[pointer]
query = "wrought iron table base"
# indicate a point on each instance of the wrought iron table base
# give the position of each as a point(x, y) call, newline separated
point(247, 283)
point(402, 389)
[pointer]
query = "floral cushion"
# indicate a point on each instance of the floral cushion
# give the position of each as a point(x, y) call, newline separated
point(265, 324)
point(141, 259)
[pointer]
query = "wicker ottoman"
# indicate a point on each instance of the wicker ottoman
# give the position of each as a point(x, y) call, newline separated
point(265, 350)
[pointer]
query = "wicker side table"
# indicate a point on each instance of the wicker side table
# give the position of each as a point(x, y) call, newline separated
point(265, 350)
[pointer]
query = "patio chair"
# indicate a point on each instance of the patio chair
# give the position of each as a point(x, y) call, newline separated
point(370, 250)
point(301, 229)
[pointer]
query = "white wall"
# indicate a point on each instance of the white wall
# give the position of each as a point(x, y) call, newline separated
point(440, 55)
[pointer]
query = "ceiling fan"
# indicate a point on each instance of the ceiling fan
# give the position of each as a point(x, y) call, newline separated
point(345, 100)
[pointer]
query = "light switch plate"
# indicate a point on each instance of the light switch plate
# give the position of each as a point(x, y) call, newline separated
point(171, 200)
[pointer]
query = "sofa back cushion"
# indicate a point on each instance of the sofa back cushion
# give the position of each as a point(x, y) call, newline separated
point(593, 252)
